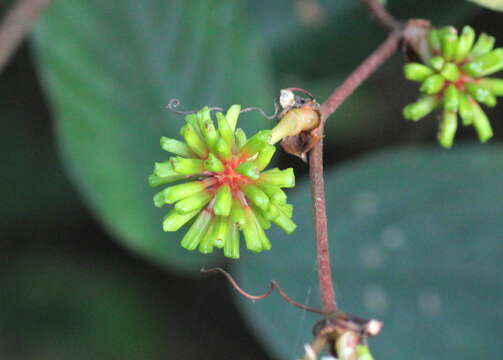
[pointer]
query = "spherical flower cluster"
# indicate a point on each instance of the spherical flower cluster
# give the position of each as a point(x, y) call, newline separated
point(453, 76)
point(228, 191)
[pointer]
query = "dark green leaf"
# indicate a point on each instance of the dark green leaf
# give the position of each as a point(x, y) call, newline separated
point(314, 39)
point(416, 240)
point(110, 68)
point(52, 307)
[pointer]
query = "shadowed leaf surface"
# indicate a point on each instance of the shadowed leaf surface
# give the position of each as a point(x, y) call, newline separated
point(416, 242)
point(110, 69)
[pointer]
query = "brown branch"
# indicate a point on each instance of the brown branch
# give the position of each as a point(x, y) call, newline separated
point(320, 227)
point(274, 286)
point(16, 24)
point(361, 73)
point(381, 15)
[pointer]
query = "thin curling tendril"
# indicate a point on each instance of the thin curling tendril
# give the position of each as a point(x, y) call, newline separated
point(174, 103)
point(274, 286)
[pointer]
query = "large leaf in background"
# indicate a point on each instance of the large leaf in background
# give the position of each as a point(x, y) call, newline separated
point(53, 307)
point(416, 239)
point(491, 4)
point(110, 68)
point(315, 39)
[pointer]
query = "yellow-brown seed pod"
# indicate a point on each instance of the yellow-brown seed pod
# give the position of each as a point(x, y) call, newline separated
point(298, 125)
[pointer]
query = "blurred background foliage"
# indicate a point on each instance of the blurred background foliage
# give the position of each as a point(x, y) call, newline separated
point(83, 108)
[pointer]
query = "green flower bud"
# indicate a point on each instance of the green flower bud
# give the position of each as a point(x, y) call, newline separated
point(433, 38)
point(274, 192)
point(281, 178)
point(163, 174)
point(194, 235)
point(264, 157)
point(479, 93)
point(208, 240)
point(251, 233)
point(209, 132)
point(466, 109)
point(257, 196)
point(465, 43)
point(437, 63)
point(417, 72)
point(213, 164)
point(271, 213)
point(490, 101)
point(248, 169)
point(286, 208)
point(433, 84)
point(264, 240)
point(284, 222)
point(159, 200)
point(481, 123)
point(223, 201)
point(240, 137)
point(485, 64)
point(193, 121)
point(223, 149)
point(164, 169)
point(221, 231)
point(447, 128)
point(185, 166)
point(237, 214)
point(261, 217)
point(450, 72)
point(176, 147)
point(224, 128)
point(493, 85)
point(232, 116)
point(179, 192)
point(231, 246)
point(256, 143)
point(194, 202)
point(451, 98)
point(483, 45)
point(449, 40)
point(420, 108)
point(193, 140)
point(174, 221)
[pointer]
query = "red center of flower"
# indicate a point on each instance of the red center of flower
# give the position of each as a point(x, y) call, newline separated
point(229, 176)
point(461, 82)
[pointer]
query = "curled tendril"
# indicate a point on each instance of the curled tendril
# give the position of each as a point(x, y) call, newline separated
point(294, 89)
point(274, 286)
point(174, 103)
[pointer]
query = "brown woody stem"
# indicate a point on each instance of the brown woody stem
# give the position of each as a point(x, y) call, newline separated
point(362, 72)
point(381, 15)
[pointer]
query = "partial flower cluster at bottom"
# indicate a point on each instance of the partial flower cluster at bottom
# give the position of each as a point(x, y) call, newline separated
point(228, 192)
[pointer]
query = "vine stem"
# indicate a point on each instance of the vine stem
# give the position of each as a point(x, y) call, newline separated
point(381, 15)
point(16, 24)
point(362, 72)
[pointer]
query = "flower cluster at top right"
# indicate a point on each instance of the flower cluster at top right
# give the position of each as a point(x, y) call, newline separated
point(453, 77)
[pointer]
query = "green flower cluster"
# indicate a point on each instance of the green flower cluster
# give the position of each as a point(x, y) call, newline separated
point(453, 77)
point(228, 191)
